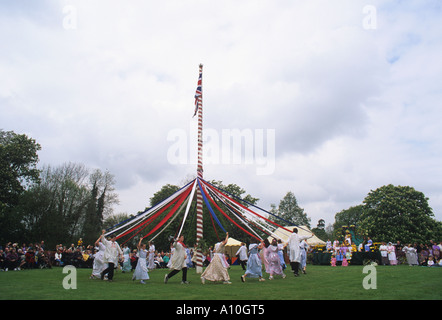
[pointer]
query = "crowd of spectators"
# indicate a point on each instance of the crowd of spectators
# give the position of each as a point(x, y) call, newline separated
point(423, 254)
point(15, 257)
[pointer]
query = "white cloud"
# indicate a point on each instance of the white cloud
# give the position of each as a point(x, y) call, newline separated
point(353, 109)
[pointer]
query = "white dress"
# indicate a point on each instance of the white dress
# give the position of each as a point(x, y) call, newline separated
point(99, 265)
point(392, 255)
point(217, 269)
point(151, 258)
point(140, 272)
point(411, 255)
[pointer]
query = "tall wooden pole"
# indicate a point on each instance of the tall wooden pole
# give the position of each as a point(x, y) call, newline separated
point(199, 196)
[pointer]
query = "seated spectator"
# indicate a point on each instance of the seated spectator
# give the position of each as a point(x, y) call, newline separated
point(11, 261)
point(77, 258)
point(207, 260)
point(42, 259)
point(436, 251)
point(88, 259)
point(159, 261)
point(430, 261)
point(2, 259)
point(67, 257)
point(57, 258)
point(30, 258)
point(21, 258)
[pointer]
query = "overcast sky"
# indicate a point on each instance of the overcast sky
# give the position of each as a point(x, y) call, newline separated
point(343, 97)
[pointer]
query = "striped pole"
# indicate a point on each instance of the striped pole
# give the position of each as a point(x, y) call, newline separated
point(199, 196)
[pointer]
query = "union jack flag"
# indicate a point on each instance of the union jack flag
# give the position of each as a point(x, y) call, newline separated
point(199, 91)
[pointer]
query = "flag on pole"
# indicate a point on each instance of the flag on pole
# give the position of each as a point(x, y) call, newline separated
point(199, 91)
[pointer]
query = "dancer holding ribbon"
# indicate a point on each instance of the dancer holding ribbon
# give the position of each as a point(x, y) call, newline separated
point(217, 269)
point(178, 261)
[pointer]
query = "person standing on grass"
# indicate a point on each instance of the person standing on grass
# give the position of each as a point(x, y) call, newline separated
point(178, 261)
point(127, 267)
point(281, 254)
point(217, 269)
point(274, 264)
point(112, 254)
point(242, 255)
point(295, 251)
point(304, 248)
point(384, 253)
point(141, 270)
point(254, 263)
point(391, 250)
point(411, 254)
point(151, 256)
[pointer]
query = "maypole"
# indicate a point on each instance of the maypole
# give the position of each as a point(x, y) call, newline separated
point(199, 196)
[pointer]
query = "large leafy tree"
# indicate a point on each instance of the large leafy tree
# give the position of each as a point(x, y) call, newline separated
point(18, 165)
point(392, 213)
point(290, 211)
point(67, 203)
point(101, 199)
point(347, 217)
point(18, 161)
point(320, 230)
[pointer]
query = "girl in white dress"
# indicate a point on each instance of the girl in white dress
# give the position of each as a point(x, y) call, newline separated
point(141, 272)
point(126, 256)
point(410, 253)
point(151, 257)
point(178, 261)
point(392, 254)
point(217, 269)
point(99, 265)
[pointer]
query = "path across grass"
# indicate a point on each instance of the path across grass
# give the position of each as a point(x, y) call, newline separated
point(321, 283)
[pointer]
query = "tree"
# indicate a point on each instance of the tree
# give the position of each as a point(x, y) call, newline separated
point(165, 192)
point(18, 161)
point(290, 211)
point(236, 191)
point(67, 203)
point(102, 198)
point(320, 231)
point(392, 213)
point(347, 217)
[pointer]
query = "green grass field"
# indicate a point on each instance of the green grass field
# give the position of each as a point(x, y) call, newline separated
point(321, 283)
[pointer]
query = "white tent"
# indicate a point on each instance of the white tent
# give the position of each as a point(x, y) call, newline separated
point(232, 247)
point(284, 235)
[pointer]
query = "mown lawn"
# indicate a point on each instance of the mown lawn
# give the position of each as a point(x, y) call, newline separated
point(321, 283)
